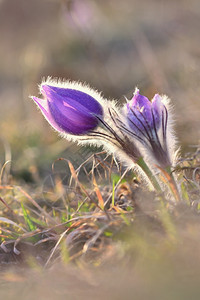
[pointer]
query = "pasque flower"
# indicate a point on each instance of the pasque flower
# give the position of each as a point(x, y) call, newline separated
point(80, 114)
point(141, 127)
point(69, 110)
point(147, 122)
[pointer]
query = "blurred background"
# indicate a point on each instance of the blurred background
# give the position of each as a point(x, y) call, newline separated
point(111, 44)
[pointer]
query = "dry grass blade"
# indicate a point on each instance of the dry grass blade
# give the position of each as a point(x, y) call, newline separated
point(196, 175)
point(171, 182)
point(3, 169)
point(75, 177)
point(93, 240)
point(73, 172)
point(100, 162)
point(81, 205)
point(3, 246)
point(5, 220)
point(37, 205)
point(98, 193)
point(89, 159)
point(116, 186)
point(97, 215)
point(8, 207)
point(24, 236)
point(7, 187)
point(56, 246)
point(51, 238)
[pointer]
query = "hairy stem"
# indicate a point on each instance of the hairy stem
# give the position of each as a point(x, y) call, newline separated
point(149, 174)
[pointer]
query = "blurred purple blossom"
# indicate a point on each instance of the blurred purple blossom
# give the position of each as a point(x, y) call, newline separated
point(80, 14)
point(68, 110)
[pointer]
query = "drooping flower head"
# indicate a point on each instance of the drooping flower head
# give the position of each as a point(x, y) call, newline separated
point(69, 110)
point(148, 122)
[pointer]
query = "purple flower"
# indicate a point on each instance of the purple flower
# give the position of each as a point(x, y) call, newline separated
point(148, 122)
point(144, 116)
point(81, 14)
point(69, 110)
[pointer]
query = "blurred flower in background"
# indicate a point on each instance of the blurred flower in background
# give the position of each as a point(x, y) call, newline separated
point(81, 15)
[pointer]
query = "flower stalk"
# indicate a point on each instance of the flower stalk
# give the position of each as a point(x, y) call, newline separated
point(141, 163)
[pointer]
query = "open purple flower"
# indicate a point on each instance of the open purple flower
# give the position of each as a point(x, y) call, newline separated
point(148, 122)
point(69, 110)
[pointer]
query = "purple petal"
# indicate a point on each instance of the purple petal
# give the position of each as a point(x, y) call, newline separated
point(69, 111)
point(139, 112)
point(157, 107)
point(140, 101)
point(74, 120)
point(43, 105)
point(73, 98)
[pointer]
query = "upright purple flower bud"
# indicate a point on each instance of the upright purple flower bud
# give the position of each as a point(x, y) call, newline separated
point(69, 110)
point(148, 123)
point(144, 116)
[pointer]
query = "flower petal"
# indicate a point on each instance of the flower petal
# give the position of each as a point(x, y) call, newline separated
point(157, 107)
point(43, 105)
point(74, 120)
point(69, 111)
point(73, 97)
point(139, 112)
